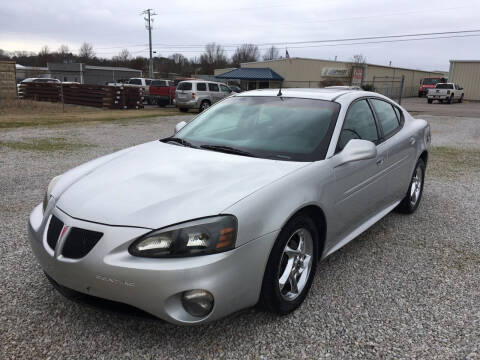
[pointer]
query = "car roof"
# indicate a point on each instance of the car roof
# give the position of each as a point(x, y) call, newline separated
point(309, 93)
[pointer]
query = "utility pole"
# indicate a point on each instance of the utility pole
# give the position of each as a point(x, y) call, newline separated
point(148, 25)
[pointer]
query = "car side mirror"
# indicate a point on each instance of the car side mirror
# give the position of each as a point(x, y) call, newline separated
point(356, 150)
point(180, 126)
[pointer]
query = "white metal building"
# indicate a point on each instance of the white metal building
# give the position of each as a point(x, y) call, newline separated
point(466, 73)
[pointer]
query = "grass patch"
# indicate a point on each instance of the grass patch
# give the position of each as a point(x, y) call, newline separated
point(447, 162)
point(47, 144)
point(18, 113)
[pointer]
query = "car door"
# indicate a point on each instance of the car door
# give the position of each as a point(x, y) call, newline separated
point(214, 91)
point(400, 147)
point(359, 187)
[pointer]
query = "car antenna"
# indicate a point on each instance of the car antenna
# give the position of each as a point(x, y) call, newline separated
point(280, 89)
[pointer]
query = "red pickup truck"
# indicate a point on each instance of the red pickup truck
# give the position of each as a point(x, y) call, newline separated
point(162, 92)
point(429, 83)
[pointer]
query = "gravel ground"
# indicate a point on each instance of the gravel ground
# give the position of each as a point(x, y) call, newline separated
point(407, 288)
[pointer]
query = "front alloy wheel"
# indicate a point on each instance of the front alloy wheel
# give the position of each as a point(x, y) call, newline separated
point(295, 264)
point(291, 266)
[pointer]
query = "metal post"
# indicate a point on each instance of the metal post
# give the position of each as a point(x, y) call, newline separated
point(401, 90)
point(63, 101)
point(150, 65)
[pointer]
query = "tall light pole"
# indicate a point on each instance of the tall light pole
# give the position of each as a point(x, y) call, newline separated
point(148, 25)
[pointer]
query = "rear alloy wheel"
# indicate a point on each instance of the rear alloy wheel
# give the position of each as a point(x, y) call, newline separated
point(414, 194)
point(204, 105)
point(291, 266)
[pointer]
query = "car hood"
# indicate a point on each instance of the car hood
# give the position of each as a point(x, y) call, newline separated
point(156, 184)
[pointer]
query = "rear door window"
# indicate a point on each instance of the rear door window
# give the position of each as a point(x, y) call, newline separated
point(135, 81)
point(213, 87)
point(386, 116)
point(201, 87)
point(359, 124)
point(184, 86)
point(159, 83)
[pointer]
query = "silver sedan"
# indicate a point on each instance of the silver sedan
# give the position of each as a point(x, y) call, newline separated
point(237, 208)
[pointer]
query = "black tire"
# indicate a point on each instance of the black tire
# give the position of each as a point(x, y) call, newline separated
point(461, 99)
point(407, 206)
point(429, 101)
point(450, 99)
point(420, 94)
point(204, 105)
point(183, 109)
point(271, 297)
point(162, 103)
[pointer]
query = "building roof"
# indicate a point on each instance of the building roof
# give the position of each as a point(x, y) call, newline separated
point(111, 68)
point(465, 61)
point(341, 62)
point(251, 74)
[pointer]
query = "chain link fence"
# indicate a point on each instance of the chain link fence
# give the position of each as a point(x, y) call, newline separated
point(392, 87)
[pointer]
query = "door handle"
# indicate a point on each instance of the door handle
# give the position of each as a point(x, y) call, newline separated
point(380, 161)
point(411, 140)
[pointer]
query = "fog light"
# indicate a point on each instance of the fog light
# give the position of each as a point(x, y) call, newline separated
point(197, 303)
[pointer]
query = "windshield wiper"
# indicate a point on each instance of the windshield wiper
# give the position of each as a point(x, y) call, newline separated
point(178, 140)
point(227, 149)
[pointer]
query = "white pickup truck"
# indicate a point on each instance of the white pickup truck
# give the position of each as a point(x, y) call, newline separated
point(447, 92)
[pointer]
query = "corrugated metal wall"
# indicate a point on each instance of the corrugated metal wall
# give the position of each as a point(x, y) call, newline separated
point(299, 72)
point(8, 85)
point(467, 75)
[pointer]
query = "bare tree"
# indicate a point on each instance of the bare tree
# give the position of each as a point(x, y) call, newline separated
point(271, 54)
point(359, 59)
point(86, 51)
point(245, 53)
point(124, 55)
point(64, 53)
point(44, 51)
point(178, 58)
point(63, 49)
point(214, 56)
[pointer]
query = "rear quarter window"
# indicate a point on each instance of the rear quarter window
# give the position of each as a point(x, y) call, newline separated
point(213, 87)
point(184, 86)
point(386, 116)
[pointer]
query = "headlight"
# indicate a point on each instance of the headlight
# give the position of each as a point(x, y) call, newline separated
point(48, 193)
point(198, 237)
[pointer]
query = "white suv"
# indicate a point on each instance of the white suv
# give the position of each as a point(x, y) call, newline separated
point(199, 94)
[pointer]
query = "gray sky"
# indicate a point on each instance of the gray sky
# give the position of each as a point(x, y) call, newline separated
point(112, 25)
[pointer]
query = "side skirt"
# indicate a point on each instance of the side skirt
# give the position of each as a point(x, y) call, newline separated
point(367, 224)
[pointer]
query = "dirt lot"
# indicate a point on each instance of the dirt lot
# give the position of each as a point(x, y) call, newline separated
point(407, 288)
point(419, 106)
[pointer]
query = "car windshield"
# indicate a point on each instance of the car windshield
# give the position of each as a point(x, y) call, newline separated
point(431, 81)
point(269, 127)
point(444, 86)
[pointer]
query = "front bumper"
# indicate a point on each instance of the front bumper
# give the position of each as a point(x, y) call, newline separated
point(108, 271)
point(438, 97)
